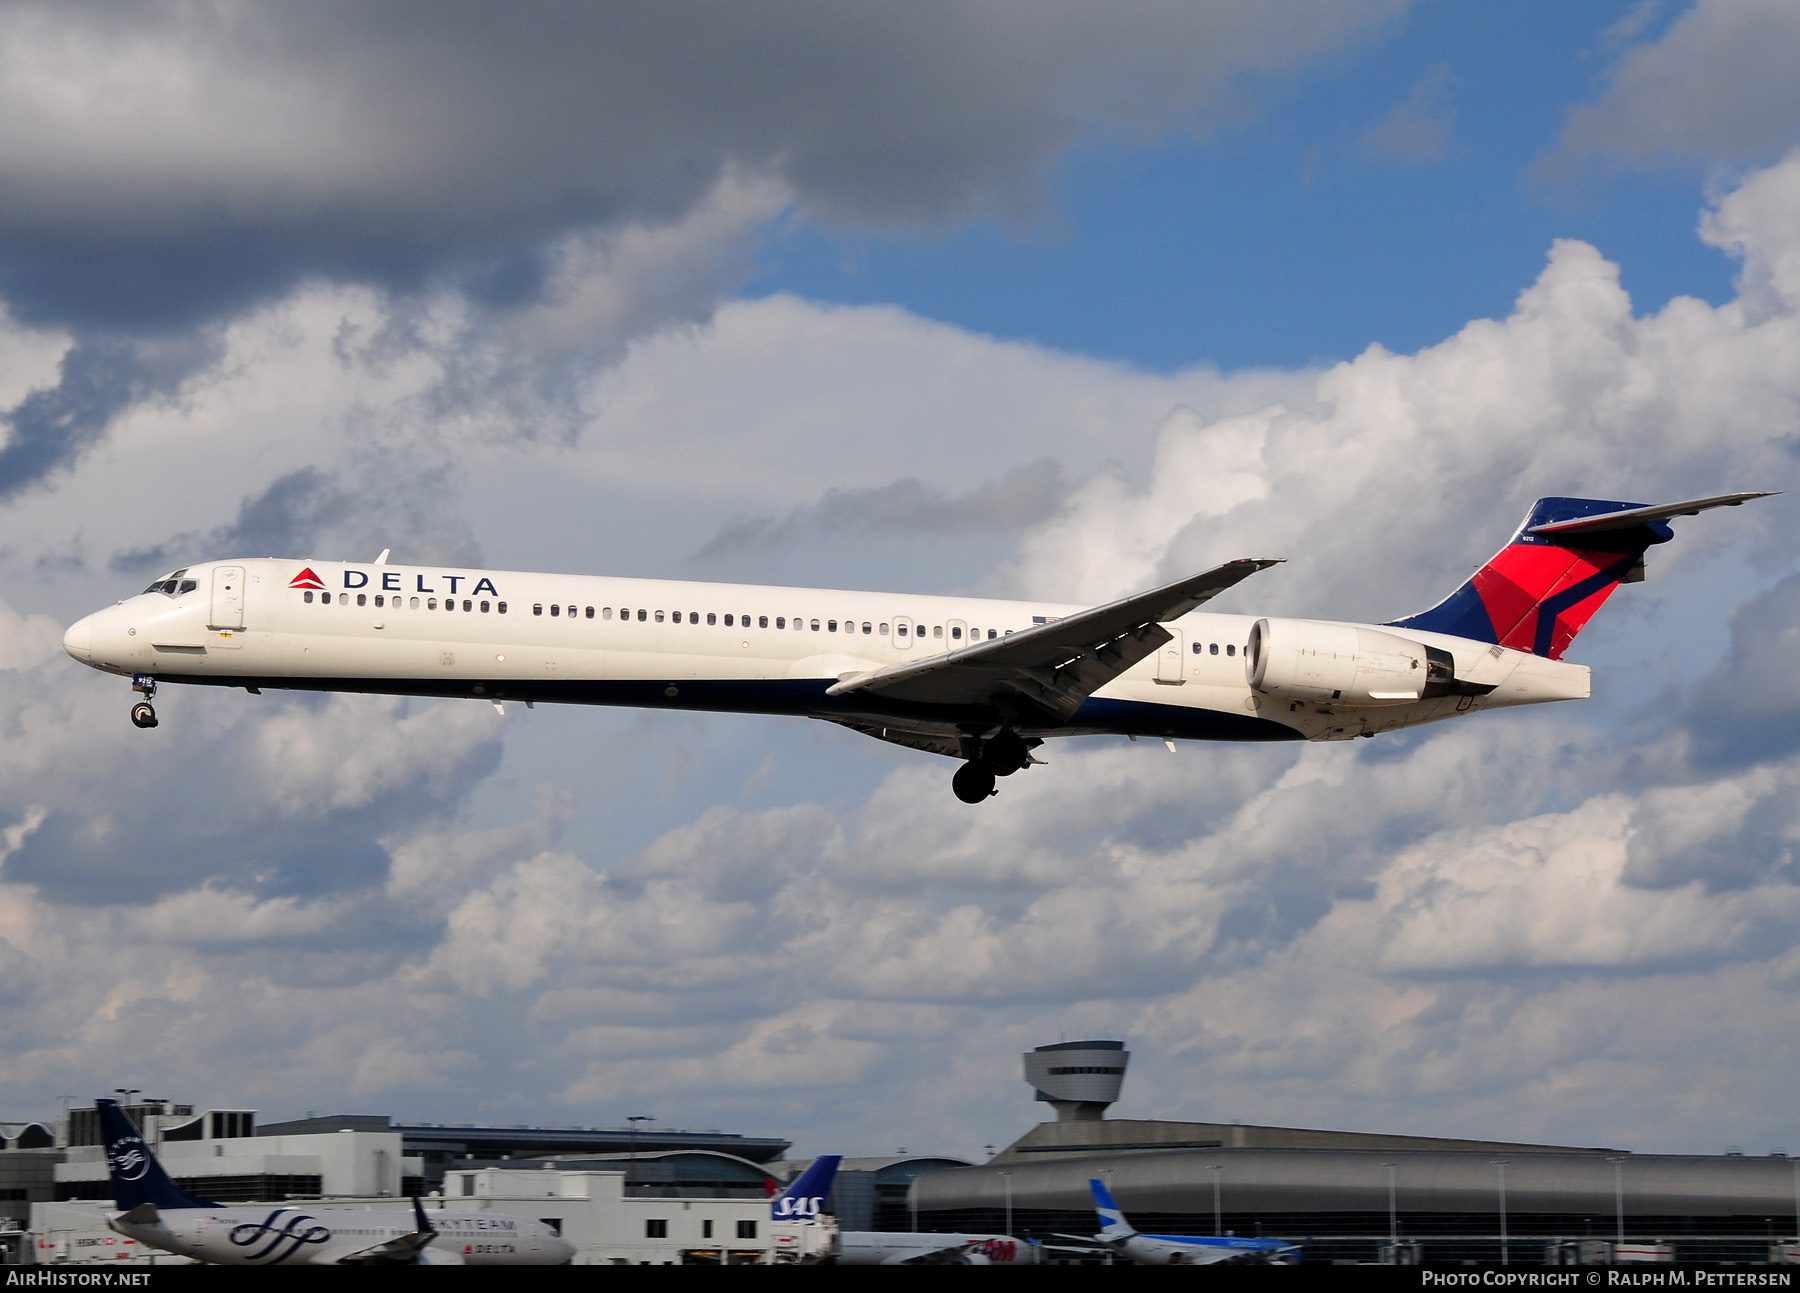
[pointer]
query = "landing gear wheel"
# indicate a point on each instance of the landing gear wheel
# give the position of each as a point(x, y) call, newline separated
point(973, 782)
point(143, 715)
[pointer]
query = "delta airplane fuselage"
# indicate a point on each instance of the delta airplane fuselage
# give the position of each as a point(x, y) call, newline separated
point(980, 680)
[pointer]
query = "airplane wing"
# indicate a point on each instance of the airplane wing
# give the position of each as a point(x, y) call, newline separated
point(1055, 666)
point(930, 742)
point(407, 1249)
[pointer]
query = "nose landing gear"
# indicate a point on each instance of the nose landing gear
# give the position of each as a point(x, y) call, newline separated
point(143, 714)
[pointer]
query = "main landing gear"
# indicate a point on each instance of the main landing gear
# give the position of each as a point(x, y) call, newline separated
point(143, 714)
point(1000, 755)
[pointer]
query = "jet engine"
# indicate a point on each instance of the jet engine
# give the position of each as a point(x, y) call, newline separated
point(1339, 663)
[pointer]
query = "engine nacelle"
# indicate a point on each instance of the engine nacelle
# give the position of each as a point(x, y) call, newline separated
point(1335, 664)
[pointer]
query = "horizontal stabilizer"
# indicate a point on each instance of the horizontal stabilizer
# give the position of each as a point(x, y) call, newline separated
point(1636, 516)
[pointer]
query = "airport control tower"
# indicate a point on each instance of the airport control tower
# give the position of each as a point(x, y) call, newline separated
point(1078, 1079)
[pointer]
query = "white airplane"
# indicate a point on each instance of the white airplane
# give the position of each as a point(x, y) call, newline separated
point(1183, 1250)
point(899, 1248)
point(153, 1210)
point(978, 680)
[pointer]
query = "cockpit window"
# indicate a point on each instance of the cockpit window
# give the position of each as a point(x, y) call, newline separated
point(172, 584)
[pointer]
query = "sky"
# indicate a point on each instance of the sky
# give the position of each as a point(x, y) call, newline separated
point(1041, 300)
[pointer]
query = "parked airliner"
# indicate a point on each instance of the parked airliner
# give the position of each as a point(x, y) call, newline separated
point(1183, 1250)
point(153, 1210)
point(979, 680)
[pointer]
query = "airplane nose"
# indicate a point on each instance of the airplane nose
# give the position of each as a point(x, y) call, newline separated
point(79, 640)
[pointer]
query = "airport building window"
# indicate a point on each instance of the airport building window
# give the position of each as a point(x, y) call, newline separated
point(746, 1230)
point(656, 1228)
point(307, 596)
point(706, 1229)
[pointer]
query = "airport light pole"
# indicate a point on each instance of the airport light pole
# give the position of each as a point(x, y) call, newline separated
point(1393, 1215)
point(1006, 1178)
point(1218, 1216)
point(1618, 1162)
point(631, 1165)
point(1501, 1164)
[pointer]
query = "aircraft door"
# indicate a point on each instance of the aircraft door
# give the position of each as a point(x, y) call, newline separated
point(227, 597)
point(1168, 659)
point(903, 633)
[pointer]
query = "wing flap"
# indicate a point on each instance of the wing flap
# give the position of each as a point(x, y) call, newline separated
point(1059, 664)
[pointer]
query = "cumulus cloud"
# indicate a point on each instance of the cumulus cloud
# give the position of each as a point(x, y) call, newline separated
point(1714, 87)
point(1587, 905)
point(221, 151)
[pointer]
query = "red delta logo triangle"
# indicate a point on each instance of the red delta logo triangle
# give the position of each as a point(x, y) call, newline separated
point(306, 579)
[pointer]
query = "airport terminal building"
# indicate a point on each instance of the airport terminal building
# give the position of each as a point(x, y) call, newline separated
point(1350, 1196)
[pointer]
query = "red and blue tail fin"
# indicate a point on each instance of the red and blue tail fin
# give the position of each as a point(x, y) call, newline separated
point(1542, 588)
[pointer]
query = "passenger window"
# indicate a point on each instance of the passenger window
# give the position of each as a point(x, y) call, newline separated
point(431, 603)
point(590, 612)
point(884, 631)
point(712, 618)
point(642, 615)
point(555, 611)
point(378, 601)
point(1230, 649)
point(781, 621)
point(1215, 648)
point(343, 599)
point(571, 610)
point(992, 635)
point(468, 605)
point(307, 596)
point(937, 630)
point(500, 607)
point(484, 606)
point(606, 612)
point(956, 633)
point(868, 627)
point(762, 621)
point(831, 626)
point(362, 599)
point(728, 621)
point(815, 626)
point(659, 616)
point(537, 608)
point(415, 603)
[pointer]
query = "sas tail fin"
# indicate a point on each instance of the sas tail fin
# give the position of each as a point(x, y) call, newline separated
point(137, 1178)
point(1113, 1225)
point(1542, 588)
point(802, 1200)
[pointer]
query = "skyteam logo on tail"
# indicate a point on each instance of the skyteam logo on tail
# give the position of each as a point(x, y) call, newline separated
point(805, 1198)
point(128, 1158)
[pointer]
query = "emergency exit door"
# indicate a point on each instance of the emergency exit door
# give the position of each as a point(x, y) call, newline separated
point(1168, 660)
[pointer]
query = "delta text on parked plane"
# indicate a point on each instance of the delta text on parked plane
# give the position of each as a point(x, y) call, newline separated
point(982, 681)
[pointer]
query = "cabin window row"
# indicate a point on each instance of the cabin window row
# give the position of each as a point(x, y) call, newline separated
point(800, 623)
point(398, 603)
point(1212, 648)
